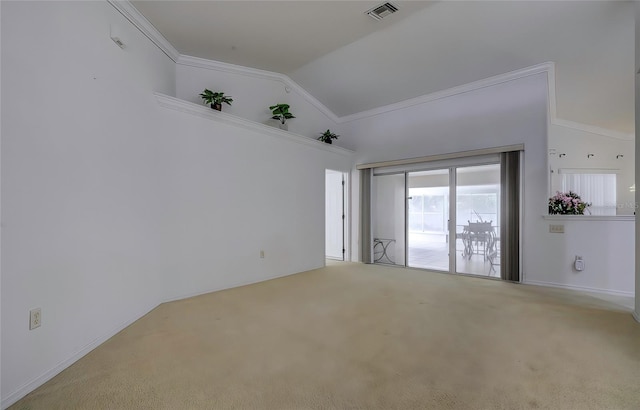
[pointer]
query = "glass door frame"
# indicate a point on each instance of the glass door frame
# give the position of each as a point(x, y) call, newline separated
point(452, 166)
point(451, 249)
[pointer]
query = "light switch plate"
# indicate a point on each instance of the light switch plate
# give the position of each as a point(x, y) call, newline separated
point(556, 228)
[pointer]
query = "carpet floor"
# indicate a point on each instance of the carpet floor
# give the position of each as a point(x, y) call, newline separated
point(353, 336)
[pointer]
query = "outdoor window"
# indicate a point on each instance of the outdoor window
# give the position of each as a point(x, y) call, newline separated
point(598, 189)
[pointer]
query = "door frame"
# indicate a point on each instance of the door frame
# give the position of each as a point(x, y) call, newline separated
point(346, 253)
point(451, 165)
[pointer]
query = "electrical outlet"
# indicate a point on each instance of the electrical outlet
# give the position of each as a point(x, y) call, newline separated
point(556, 228)
point(35, 318)
point(261, 254)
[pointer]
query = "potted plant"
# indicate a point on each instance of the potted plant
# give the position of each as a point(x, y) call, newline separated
point(281, 113)
point(215, 99)
point(328, 136)
point(567, 203)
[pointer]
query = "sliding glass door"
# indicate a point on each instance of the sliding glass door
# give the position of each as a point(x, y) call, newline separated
point(428, 219)
point(478, 220)
point(388, 218)
point(446, 218)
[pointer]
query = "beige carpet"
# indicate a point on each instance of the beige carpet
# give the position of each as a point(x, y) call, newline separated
point(354, 336)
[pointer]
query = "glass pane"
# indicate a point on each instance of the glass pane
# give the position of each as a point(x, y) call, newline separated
point(415, 203)
point(478, 220)
point(428, 234)
point(597, 189)
point(434, 222)
point(387, 212)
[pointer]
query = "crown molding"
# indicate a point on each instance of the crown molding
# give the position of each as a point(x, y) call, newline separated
point(592, 129)
point(141, 23)
point(546, 67)
point(205, 112)
point(230, 68)
point(449, 92)
point(136, 18)
point(257, 73)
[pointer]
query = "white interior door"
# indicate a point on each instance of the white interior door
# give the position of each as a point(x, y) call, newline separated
point(334, 215)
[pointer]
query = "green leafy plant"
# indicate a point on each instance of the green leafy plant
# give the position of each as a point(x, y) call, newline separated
point(281, 113)
point(328, 137)
point(215, 99)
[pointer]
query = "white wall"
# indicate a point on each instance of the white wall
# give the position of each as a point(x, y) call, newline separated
point(509, 113)
point(606, 246)
point(577, 144)
point(234, 192)
point(0, 214)
point(82, 183)
point(112, 204)
point(637, 149)
point(505, 114)
point(253, 92)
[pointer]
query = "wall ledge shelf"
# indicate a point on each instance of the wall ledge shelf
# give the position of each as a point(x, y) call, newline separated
point(206, 112)
point(588, 218)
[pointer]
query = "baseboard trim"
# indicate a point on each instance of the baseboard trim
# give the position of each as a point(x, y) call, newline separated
point(580, 288)
point(234, 285)
point(636, 316)
point(33, 384)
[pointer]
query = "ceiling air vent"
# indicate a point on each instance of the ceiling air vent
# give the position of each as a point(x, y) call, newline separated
point(382, 11)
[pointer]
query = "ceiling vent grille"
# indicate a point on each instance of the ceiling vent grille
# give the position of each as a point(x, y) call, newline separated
point(382, 11)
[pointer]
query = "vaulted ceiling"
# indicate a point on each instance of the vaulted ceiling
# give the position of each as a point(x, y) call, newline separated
point(352, 63)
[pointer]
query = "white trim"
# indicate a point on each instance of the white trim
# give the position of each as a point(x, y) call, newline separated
point(441, 157)
point(476, 85)
point(636, 316)
point(256, 73)
point(551, 93)
point(579, 288)
point(547, 67)
point(234, 285)
point(592, 129)
point(553, 113)
point(589, 218)
point(33, 384)
point(229, 68)
point(141, 23)
point(205, 112)
point(588, 171)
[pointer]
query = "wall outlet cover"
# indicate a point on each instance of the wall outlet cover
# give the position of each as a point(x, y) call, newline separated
point(35, 318)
